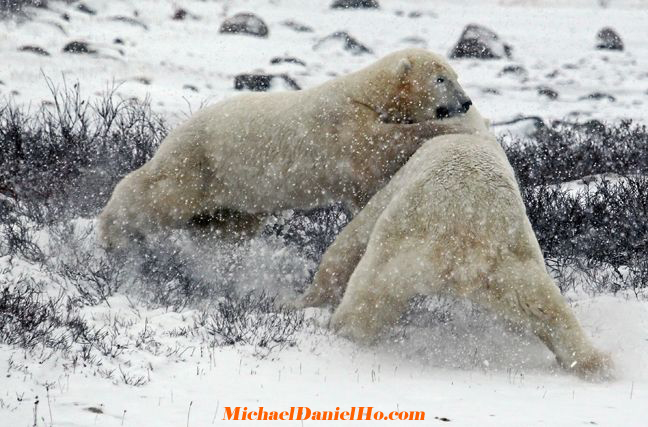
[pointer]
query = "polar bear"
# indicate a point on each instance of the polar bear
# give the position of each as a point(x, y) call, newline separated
point(258, 153)
point(451, 221)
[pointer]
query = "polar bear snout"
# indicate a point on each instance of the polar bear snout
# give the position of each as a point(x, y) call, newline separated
point(445, 112)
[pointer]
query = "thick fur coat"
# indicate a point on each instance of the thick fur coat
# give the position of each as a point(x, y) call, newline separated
point(451, 221)
point(258, 153)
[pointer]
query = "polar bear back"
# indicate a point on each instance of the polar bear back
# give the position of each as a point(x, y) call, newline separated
point(283, 141)
point(458, 194)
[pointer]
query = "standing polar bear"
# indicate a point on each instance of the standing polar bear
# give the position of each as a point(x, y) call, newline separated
point(259, 153)
point(451, 221)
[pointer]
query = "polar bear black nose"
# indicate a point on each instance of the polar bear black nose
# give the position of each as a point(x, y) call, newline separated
point(442, 112)
point(466, 106)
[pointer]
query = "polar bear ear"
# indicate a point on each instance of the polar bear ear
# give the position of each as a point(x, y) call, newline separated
point(404, 66)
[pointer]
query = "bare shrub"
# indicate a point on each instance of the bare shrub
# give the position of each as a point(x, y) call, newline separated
point(70, 153)
point(31, 319)
point(254, 319)
point(312, 231)
point(94, 274)
point(12, 7)
point(568, 151)
point(599, 233)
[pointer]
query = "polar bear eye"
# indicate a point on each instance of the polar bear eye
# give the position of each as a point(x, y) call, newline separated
point(440, 79)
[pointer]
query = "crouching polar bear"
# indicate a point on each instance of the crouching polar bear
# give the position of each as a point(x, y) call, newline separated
point(451, 221)
point(259, 153)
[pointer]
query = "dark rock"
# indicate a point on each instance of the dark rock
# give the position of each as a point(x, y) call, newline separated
point(287, 60)
point(78, 47)
point(553, 74)
point(262, 82)
point(34, 49)
point(118, 41)
point(143, 80)
point(8, 7)
point(349, 43)
point(594, 125)
point(82, 7)
point(413, 40)
point(245, 23)
point(354, 4)
point(589, 127)
point(190, 87)
point(597, 96)
point(548, 92)
point(65, 17)
point(608, 39)
point(179, 14)
point(480, 43)
point(56, 25)
point(129, 20)
point(300, 28)
point(513, 69)
point(490, 91)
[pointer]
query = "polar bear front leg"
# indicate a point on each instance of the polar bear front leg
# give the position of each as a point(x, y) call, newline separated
point(380, 288)
point(371, 304)
point(334, 271)
point(405, 133)
point(341, 258)
point(526, 294)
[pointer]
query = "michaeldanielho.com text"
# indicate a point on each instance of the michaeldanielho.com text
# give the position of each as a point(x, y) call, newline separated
point(359, 413)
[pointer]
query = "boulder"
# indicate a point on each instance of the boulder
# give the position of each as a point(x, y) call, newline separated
point(78, 47)
point(548, 92)
point(129, 20)
point(598, 96)
point(355, 4)
point(264, 82)
point(296, 26)
point(245, 23)
point(349, 43)
point(516, 70)
point(287, 60)
point(34, 49)
point(608, 39)
point(179, 14)
point(82, 7)
point(479, 42)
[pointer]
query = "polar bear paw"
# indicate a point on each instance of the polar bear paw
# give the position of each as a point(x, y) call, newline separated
point(596, 366)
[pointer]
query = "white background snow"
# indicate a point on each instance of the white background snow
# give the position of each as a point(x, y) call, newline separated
point(470, 371)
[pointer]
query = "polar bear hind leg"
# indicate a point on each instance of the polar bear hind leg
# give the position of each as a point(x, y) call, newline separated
point(524, 293)
point(144, 203)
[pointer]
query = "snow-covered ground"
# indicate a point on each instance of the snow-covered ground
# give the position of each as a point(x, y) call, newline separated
point(554, 45)
point(469, 370)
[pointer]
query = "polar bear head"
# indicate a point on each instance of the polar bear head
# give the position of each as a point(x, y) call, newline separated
point(413, 85)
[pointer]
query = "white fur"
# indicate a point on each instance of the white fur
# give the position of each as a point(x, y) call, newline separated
point(263, 152)
point(451, 221)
